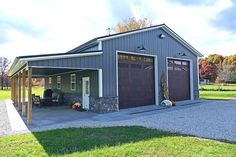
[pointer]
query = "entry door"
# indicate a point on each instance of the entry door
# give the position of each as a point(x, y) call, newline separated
point(86, 92)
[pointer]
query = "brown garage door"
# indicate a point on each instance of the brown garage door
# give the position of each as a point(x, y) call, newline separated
point(136, 80)
point(178, 80)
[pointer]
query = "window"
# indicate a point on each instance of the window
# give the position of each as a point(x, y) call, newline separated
point(50, 82)
point(184, 63)
point(177, 62)
point(123, 57)
point(123, 65)
point(58, 82)
point(73, 82)
point(136, 66)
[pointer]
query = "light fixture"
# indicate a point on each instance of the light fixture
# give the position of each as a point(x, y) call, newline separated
point(141, 48)
point(162, 36)
point(182, 54)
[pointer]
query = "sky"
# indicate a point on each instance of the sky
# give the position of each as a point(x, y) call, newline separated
point(55, 26)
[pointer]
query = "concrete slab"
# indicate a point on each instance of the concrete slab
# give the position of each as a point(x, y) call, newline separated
point(17, 124)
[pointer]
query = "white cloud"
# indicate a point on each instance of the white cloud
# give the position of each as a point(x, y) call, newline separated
point(67, 24)
point(193, 23)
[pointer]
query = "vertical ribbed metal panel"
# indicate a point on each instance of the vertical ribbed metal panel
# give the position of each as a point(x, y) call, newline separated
point(167, 47)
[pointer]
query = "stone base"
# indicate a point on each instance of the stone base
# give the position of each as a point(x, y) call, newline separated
point(71, 98)
point(104, 105)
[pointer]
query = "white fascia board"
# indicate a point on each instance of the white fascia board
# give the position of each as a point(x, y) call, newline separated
point(129, 33)
point(61, 56)
point(178, 38)
point(166, 29)
point(16, 67)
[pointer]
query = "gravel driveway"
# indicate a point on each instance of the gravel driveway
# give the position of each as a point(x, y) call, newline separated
point(209, 119)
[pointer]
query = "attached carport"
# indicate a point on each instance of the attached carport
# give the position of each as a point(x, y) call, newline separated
point(24, 68)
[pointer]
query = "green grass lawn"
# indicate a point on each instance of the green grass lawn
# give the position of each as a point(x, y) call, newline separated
point(114, 141)
point(217, 92)
point(6, 93)
point(218, 87)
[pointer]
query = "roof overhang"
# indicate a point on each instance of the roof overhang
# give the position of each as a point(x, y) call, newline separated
point(164, 28)
point(22, 61)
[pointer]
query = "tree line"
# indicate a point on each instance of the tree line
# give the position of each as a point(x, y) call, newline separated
point(218, 69)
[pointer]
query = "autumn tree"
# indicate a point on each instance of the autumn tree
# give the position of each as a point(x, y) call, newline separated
point(215, 59)
point(132, 24)
point(207, 70)
point(4, 63)
point(227, 74)
point(230, 60)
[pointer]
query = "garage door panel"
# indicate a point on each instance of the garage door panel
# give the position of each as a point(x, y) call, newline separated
point(178, 80)
point(139, 81)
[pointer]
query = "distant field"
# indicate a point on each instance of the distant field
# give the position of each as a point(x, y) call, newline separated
point(6, 93)
point(218, 87)
point(217, 92)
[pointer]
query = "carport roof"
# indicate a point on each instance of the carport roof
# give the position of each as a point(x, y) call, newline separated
point(21, 62)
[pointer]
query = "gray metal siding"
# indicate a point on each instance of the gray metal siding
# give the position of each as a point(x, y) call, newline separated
point(94, 48)
point(167, 47)
point(65, 82)
point(76, 62)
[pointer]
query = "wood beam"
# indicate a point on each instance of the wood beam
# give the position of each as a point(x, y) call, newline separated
point(13, 89)
point(29, 109)
point(19, 92)
point(16, 91)
point(23, 93)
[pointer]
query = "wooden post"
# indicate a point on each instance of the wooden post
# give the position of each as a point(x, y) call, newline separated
point(15, 84)
point(29, 110)
point(19, 91)
point(23, 93)
point(16, 91)
point(13, 89)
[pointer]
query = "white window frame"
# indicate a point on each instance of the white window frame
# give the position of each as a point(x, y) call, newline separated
point(58, 82)
point(50, 82)
point(71, 82)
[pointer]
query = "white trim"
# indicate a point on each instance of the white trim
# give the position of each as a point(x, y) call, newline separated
point(156, 80)
point(129, 33)
point(164, 28)
point(100, 85)
point(83, 94)
point(135, 53)
point(71, 75)
point(19, 63)
point(155, 73)
point(58, 82)
point(198, 75)
point(190, 77)
point(181, 40)
point(63, 67)
point(50, 82)
point(99, 45)
point(68, 72)
point(60, 56)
